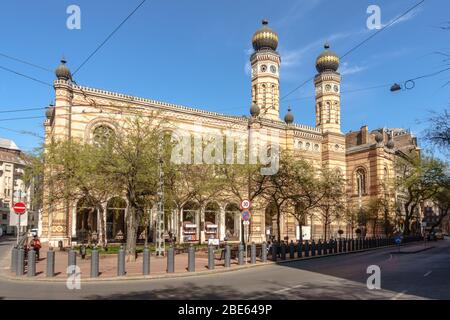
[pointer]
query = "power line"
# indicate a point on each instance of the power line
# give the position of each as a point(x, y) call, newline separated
point(25, 62)
point(26, 76)
point(359, 45)
point(22, 132)
point(22, 110)
point(109, 36)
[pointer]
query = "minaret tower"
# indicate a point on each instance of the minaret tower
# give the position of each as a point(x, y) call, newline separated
point(265, 63)
point(328, 110)
point(328, 87)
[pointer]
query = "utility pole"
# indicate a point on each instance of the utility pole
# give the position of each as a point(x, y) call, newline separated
point(160, 244)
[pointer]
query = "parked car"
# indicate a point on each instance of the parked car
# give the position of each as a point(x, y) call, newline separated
point(439, 236)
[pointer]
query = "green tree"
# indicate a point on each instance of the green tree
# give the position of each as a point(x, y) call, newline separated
point(331, 190)
point(419, 179)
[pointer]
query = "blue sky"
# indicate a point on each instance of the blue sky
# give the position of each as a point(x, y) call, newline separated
point(196, 53)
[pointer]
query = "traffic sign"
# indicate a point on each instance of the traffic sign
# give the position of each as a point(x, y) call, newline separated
point(246, 223)
point(246, 215)
point(398, 240)
point(20, 208)
point(245, 204)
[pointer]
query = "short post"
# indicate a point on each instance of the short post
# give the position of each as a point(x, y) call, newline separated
point(94, 263)
point(345, 245)
point(253, 253)
point(356, 244)
point(299, 249)
point(50, 263)
point(210, 257)
point(20, 262)
point(264, 252)
point(13, 259)
point(241, 254)
point(335, 246)
point(31, 272)
point(83, 251)
point(291, 250)
point(146, 261)
point(340, 245)
point(227, 256)
point(319, 248)
point(191, 258)
point(306, 248)
point(313, 248)
point(72, 260)
point(274, 251)
point(170, 260)
point(283, 251)
point(121, 262)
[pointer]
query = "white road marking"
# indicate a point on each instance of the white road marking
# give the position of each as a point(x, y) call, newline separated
point(278, 291)
point(427, 274)
point(398, 295)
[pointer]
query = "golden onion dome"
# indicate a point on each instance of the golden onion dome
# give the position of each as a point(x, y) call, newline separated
point(265, 38)
point(327, 60)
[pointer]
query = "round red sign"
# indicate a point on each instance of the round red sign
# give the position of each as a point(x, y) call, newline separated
point(19, 208)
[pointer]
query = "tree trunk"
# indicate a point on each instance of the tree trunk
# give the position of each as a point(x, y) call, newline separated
point(131, 234)
point(278, 222)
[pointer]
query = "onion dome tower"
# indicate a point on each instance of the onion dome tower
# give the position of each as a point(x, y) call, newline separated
point(265, 64)
point(328, 87)
point(62, 72)
point(289, 117)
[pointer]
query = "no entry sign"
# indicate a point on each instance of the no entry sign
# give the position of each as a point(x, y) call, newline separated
point(19, 208)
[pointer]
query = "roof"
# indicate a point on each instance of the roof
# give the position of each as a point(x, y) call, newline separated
point(8, 144)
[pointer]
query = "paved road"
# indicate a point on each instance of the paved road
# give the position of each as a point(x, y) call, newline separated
point(423, 275)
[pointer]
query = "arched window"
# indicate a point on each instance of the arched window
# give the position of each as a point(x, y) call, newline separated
point(102, 134)
point(360, 181)
point(328, 111)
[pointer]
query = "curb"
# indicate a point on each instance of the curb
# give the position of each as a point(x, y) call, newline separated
point(186, 274)
point(412, 252)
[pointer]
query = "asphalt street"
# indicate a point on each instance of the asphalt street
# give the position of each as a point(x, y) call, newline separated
point(421, 275)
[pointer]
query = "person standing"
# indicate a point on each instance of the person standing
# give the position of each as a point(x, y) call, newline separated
point(36, 245)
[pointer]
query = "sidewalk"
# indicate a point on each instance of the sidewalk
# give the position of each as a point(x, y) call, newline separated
point(108, 265)
point(158, 265)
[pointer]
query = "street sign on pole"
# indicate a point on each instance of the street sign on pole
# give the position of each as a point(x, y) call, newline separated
point(19, 208)
point(246, 223)
point(245, 204)
point(246, 215)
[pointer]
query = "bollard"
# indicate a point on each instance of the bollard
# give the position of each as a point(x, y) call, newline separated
point(191, 258)
point(253, 253)
point(171, 260)
point(274, 251)
point(283, 251)
point(31, 272)
point(319, 248)
point(340, 245)
point(210, 257)
point(227, 256)
point(313, 248)
point(264, 252)
point(335, 246)
point(352, 245)
point(241, 254)
point(72, 258)
point(357, 244)
point(50, 263)
point(306, 248)
point(146, 261)
point(292, 250)
point(94, 263)
point(344, 246)
point(13, 259)
point(299, 249)
point(121, 262)
point(20, 266)
point(361, 244)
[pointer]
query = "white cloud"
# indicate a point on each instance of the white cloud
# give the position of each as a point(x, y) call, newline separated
point(345, 69)
point(410, 15)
